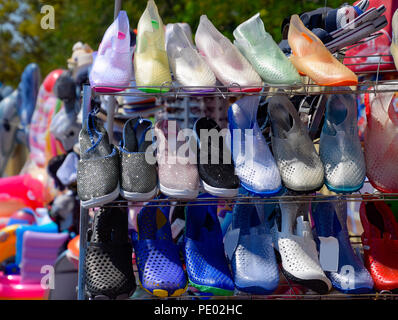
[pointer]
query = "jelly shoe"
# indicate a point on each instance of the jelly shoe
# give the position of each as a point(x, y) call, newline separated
point(112, 65)
point(178, 173)
point(350, 276)
point(313, 59)
point(98, 167)
point(299, 164)
point(381, 139)
point(138, 177)
point(226, 61)
point(394, 42)
point(380, 244)
point(215, 167)
point(254, 164)
point(294, 242)
point(151, 65)
point(108, 260)
point(340, 148)
point(158, 261)
point(253, 261)
point(189, 68)
point(264, 54)
point(206, 264)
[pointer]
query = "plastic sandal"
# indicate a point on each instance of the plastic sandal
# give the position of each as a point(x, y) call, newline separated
point(381, 140)
point(351, 276)
point(340, 148)
point(299, 164)
point(151, 64)
point(226, 61)
point(264, 54)
point(206, 264)
point(313, 59)
point(394, 42)
point(158, 260)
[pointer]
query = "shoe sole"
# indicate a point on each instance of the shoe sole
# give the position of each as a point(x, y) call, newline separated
point(214, 290)
point(99, 201)
point(220, 192)
point(137, 196)
point(122, 296)
point(161, 293)
point(263, 193)
point(180, 194)
point(344, 190)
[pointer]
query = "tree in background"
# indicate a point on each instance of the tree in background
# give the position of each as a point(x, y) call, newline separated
point(23, 41)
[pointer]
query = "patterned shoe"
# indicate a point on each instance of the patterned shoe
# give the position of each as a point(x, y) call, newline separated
point(253, 262)
point(298, 162)
point(254, 164)
point(351, 275)
point(158, 260)
point(264, 54)
point(226, 61)
point(293, 240)
point(340, 148)
point(205, 259)
point(151, 64)
point(108, 261)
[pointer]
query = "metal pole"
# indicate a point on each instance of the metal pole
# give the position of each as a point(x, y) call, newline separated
point(118, 7)
point(83, 212)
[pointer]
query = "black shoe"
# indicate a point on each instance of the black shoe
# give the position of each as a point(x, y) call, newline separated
point(108, 261)
point(218, 179)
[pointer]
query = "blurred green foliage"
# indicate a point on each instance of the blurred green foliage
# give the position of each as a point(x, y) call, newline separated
point(87, 20)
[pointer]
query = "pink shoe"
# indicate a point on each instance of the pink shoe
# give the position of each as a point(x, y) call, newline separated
point(178, 173)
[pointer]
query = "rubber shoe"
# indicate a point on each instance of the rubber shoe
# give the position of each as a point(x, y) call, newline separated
point(189, 68)
point(254, 164)
point(151, 65)
point(380, 244)
point(340, 148)
point(299, 164)
point(264, 54)
point(112, 65)
point(313, 59)
point(206, 264)
point(158, 261)
point(351, 277)
point(381, 140)
point(226, 61)
point(138, 177)
point(178, 174)
point(108, 260)
point(253, 261)
point(98, 168)
point(217, 175)
point(294, 242)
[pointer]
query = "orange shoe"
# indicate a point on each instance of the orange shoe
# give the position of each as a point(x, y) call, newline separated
point(312, 58)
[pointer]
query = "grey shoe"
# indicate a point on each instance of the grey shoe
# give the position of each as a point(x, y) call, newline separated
point(299, 164)
point(138, 177)
point(98, 168)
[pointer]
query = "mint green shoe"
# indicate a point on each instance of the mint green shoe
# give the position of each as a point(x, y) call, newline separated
point(264, 54)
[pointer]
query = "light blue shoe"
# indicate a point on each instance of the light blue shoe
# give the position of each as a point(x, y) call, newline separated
point(340, 148)
point(330, 221)
point(253, 261)
point(254, 164)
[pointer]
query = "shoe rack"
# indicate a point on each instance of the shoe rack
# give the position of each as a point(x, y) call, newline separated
point(179, 95)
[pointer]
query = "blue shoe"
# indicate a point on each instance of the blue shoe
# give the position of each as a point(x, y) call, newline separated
point(254, 164)
point(28, 90)
point(253, 262)
point(205, 259)
point(159, 266)
point(330, 221)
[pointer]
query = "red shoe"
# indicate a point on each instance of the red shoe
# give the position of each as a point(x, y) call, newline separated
point(380, 243)
point(359, 58)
